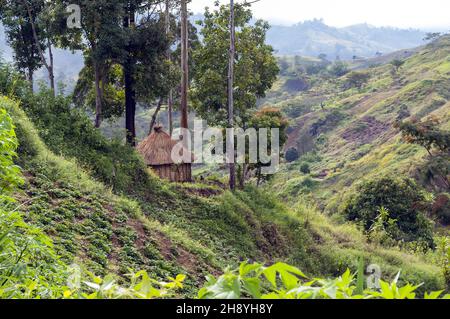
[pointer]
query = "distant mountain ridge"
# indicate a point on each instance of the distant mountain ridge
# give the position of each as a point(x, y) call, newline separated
point(309, 38)
point(314, 37)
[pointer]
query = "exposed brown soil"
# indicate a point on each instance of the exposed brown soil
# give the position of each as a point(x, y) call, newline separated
point(365, 130)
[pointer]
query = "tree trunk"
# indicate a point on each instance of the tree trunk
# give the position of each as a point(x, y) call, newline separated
point(51, 68)
point(130, 90)
point(258, 176)
point(185, 75)
point(232, 166)
point(170, 111)
point(98, 96)
point(30, 78)
point(155, 116)
point(184, 65)
point(170, 96)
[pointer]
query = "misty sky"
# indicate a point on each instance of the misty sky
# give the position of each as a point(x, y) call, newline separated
point(424, 14)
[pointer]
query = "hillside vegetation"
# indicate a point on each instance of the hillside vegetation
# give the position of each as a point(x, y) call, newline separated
point(105, 211)
point(347, 135)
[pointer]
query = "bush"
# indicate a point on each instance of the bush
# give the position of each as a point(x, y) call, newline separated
point(338, 69)
point(9, 173)
point(356, 79)
point(292, 155)
point(401, 198)
point(259, 282)
point(305, 169)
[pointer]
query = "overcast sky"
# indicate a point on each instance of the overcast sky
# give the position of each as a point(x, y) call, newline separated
point(424, 14)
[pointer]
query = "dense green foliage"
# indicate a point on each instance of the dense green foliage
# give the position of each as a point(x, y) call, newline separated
point(282, 281)
point(91, 201)
point(292, 154)
point(255, 66)
point(403, 202)
point(9, 173)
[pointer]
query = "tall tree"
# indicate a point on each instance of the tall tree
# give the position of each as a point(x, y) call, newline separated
point(184, 65)
point(184, 68)
point(229, 79)
point(232, 166)
point(143, 58)
point(128, 71)
point(99, 39)
point(255, 66)
point(169, 53)
point(38, 13)
point(20, 38)
point(25, 24)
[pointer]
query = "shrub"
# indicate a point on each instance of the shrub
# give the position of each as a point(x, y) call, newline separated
point(356, 79)
point(9, 173)
point(292, 155)
point(338, 69)
point(401, 197)
point(305, 169)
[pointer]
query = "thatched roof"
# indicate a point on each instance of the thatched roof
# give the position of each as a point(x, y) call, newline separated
point(157, 148)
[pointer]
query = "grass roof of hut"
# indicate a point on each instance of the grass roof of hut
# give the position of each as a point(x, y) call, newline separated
point(157, 148)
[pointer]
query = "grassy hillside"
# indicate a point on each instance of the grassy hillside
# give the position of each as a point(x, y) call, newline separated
point(346, 135)
point(109, 213)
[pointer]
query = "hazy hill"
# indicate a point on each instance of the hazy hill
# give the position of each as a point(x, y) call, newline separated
point(309, 38)
point(314, 37)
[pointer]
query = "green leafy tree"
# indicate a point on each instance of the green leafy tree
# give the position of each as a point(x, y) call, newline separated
point(338, 69)
point(18, 23)
point(427, 134)
point(401, 203)
point(255, 68)
point(100, 38)
point(397, 64)
point(357, 79)
point(267, 117)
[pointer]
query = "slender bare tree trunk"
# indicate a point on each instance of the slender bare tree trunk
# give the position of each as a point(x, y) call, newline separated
point(98, 96)
point(51, 68)
point(155, 116)
point(40, 51)
point(184, 65)
point(130, 84)
point(30, 78)
point(185, 73)
point(170, 96)
point(232, 166)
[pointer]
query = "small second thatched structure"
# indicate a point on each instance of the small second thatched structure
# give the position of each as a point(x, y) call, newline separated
point(157, 152)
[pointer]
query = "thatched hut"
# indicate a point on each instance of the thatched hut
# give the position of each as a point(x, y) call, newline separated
point(157, 152)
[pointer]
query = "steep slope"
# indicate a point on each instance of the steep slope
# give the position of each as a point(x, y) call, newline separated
point(352, 136)
point(169, 228)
